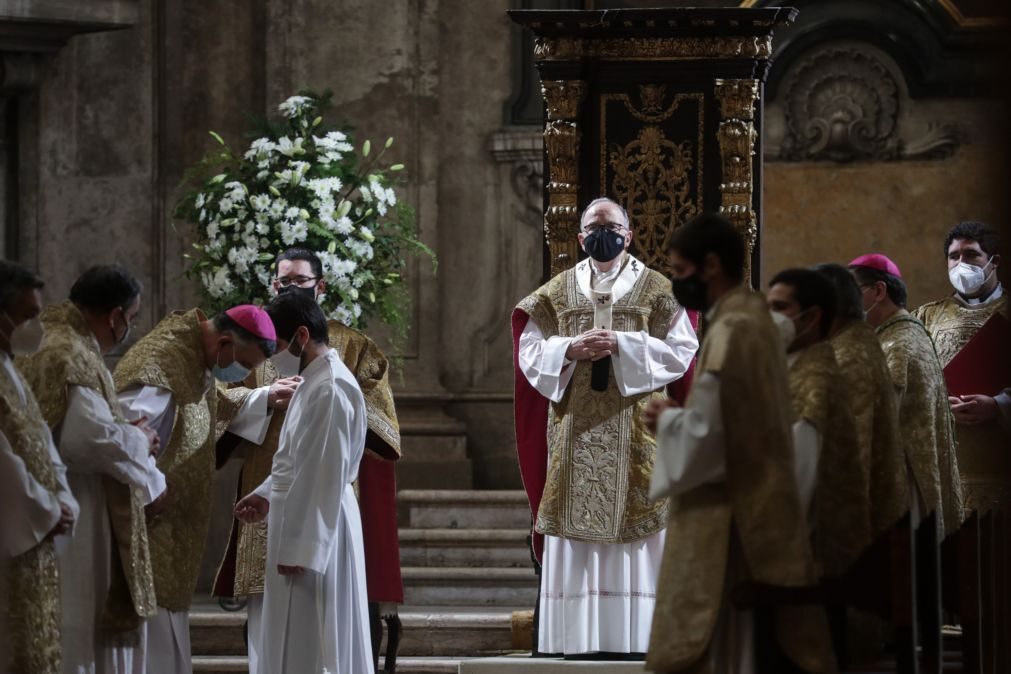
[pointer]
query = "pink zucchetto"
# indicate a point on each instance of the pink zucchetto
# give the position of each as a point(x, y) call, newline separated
point(879, 262)
point(254, 319)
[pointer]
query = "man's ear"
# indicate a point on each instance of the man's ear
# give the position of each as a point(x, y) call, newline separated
point(581, 237)
point(995, 260)
point(711, 267)
point(321, 286)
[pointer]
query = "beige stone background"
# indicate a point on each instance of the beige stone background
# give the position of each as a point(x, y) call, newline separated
point(114, 118)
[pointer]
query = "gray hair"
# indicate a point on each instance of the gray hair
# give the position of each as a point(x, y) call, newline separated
point(605, 200)
point(14, 281)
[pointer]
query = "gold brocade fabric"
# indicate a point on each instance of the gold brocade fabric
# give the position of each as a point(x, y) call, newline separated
point(983, 459)
point(600, 455)
point(33, 581)
point(842, 526)
point(70, 357)
point(371, 369)
point(952, 323)
point(875, 410)
point(172, 357)
point(758, 503)
point(924, 415)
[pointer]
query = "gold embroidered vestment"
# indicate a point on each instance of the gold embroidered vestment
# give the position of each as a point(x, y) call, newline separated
point(70, 357)
point(172, 357)
point(33, 581)
point(600, 454)
point(757, 504)
point(983, 459)
point(842, 526)
point(924, 415)
point(875, 410)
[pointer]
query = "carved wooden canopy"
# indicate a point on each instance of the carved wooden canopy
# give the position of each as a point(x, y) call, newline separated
point(658, 109)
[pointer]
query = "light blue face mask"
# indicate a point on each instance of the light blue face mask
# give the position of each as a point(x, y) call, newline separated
point(230, 374)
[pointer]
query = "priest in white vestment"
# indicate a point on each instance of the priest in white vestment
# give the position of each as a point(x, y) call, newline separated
point(105, 577)
point(315, 604)
point(593, 346)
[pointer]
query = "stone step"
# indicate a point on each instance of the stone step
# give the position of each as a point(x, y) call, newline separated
point(438, 473)
point(428, 631)
point(464, 547)
point(469, 586)
point(524, 664)
point(464, 509)
point(434, 448)
point(235, 665)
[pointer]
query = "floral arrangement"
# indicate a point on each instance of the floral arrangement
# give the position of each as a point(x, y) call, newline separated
point(301, 183)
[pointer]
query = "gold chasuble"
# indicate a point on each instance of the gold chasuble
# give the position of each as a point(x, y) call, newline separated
point(875, 410)
point(33, 581)
point(172, 357)
point(70, 357)
point(600, 454)
point(925, 421)
point(983, 457)
point(248, 542)
point(842, 526)
point(750, 525)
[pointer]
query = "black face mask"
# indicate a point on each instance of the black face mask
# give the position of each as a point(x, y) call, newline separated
point(691, 292)
point(604, 246)
point(309, 292)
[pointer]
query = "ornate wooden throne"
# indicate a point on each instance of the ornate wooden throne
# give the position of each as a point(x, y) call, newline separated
point(659, 109)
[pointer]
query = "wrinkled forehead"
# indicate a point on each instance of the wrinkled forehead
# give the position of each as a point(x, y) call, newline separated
point(603, 213)
point(294, 268)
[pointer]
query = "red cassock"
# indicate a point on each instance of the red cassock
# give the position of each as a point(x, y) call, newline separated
point(377, 496)
point(531, 421)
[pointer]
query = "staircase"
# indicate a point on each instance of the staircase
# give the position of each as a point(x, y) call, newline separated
point(466, 568)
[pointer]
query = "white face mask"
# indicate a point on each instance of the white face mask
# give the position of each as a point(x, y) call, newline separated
point(286, 363)
point(26, 338)
point(787, 330)
point(968, 278)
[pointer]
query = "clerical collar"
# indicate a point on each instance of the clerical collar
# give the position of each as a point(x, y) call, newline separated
point(997, 293)
point(599, 277)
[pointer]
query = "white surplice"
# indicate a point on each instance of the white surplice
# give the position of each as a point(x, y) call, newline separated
point(599, 597)
point(317, 621)
point(166, 636)
point(94, 445)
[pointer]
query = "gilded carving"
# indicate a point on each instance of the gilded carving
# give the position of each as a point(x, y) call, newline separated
point(563, 97)
point(561, 218)
point(652, 48)
point(737, 137)
point(653, 176)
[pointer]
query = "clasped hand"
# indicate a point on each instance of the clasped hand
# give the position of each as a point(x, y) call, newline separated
point(593, 345)
point(281, 391)
point(973, 409)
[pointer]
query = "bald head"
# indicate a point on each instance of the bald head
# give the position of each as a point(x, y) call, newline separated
point(605, 211)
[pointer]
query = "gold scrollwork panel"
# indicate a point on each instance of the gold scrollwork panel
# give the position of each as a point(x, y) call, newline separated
point(651, 162)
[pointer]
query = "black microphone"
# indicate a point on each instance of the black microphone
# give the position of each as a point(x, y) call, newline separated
point(600, 374)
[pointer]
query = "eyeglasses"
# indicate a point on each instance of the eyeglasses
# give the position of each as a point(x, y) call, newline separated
point(297, 281)
point(612, 227)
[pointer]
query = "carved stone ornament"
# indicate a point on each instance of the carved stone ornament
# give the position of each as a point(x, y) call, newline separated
point(652, 48)
point(737, 136)
point(842, 103)
point(563, 97)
